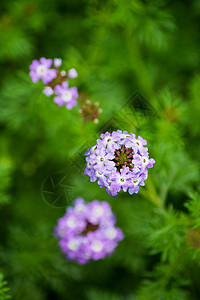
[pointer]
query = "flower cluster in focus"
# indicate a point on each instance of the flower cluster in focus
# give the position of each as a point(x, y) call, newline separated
point(56, 81)
point(118, 161)
point(87, 231)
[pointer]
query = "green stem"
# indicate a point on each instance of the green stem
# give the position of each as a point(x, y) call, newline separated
point(150, 193)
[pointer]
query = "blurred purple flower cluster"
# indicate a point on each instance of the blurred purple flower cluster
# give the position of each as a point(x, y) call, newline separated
point(118, 161)
point(56, 81)
point(87, 231)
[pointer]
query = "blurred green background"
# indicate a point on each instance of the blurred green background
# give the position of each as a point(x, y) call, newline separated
point(140, 60)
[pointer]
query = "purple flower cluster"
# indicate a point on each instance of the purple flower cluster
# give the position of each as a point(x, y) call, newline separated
point(118, 161)
point(87, 231)
point(55, 81)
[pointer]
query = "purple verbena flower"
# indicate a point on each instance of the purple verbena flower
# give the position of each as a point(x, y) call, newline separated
point(87, 231)
point(55, 81)
point(118, 161)
point(41, 70)
point(72, 73)
point(57, 62)
point(66, 96)
point(48, 91)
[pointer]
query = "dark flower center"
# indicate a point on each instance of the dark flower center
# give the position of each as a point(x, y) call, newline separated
point(123, 157)
point(90, 111)
point(58, 80)
point(89, 227)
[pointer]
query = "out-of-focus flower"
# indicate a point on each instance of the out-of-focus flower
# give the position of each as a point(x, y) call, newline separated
point(118, 161)
point(66, 96)
point(48, 91)
point(72, 73)
point(63, 73)
point(87, 231)
point(90, 111)
point(55, 81)
point(57, 62)
point(41, 70)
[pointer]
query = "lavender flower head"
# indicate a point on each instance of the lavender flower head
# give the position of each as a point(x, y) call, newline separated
point(66, 96)
point(57, 62)
point(56, 81)
point(72, 73)
point(87, 231)
point(41, 70)
point(118, 161)
point(48, 91)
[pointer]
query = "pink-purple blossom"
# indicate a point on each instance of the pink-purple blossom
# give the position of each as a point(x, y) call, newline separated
point(48, 91)
point(87, 231)
point(72, 73)
point(57, 62)
point(56, 81)
point(41, 70)
point(66, 96)
point(118, 161)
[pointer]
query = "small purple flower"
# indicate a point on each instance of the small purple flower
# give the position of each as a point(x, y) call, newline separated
point(119, 161)
point(66, 96)
point(57, 62)
point(72, 73)
point(41, 70)
point(87, 231)
point(48, 91)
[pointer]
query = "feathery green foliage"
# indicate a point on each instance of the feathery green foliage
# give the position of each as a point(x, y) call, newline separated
point(3, 289)
point(140, 60)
